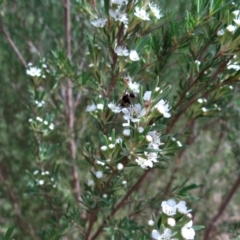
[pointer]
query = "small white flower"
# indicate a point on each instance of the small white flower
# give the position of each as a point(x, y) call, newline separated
point(99, 23)
point(140, 129)
point(115, 108)
point(149, 138)
point(134, 112)
point(51, 126)
point(236, 13)
point(41, 182)
point(104, 148)
point(147, 160)
point(163, 108)
point(233, 66)
point(179, 143)
point(141, 13)
point(120, 166)
point(231, 28)
point(197, 62)
point(124, 182)
point(150, 222)
point(45, 122)
point(166, 234)
point(105, 195)
point(155, 143)
point(91, 108)
point(35, 172)
point(90, 182)
point(47, 172)
point(121, 51)
point(169, 207)
point(182, 208)
point(220, 32)
point(39, 119)
point(99, 174)
point(118, 140)
point(187, 231)
point(100, 163)
point(134, 56)
point(126, 132)
point(33, 71)
point(134, 86)
point(119, 16)
point(30, 120)
point(147, 96)
point(237, 21)
point(204, 109)
point(100, 106)
point(155, 10)
point(171, 222)
point(111, 145)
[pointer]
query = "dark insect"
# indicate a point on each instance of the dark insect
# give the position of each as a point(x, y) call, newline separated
point(127, 99)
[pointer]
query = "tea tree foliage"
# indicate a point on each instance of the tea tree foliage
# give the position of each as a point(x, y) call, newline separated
point(119, 119)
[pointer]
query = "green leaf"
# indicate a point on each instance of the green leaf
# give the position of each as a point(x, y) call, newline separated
point(9, 233)
point(198, 227)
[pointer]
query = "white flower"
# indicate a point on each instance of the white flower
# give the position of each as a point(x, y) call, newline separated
point(171, 222)
point(141, 13)
point(121, 51)
point(169, 207)
point(104, 148)
point(100, 106)
point(231, 28)
point(147, 160)
point(111, 145)
point(133, 112)
point(140, 129)
point(134, 86)
point(91, 108)
point(35, 172)
point(51, 126)
point(41, 182)
point(126, 132)
point(124, 182)
point(115, 108)
point(39, 119)
point(163, 108)
point(166, 234)
point(119, 16)
point(104, 195)
point(155, 10)
point(187, 231)
point(90, 182)
point(237, 21)
point(182, 208)
point(233, 66)
point(99, 23)
point(236, 13)
point(134, 56)
point(99, 174)
point(147, 96)
point(120, 166)
point(150, 222)
point(155, 142)
point(100, 163)
point(197, 62)
point(118, 140)
point(220, 32)
point(33, 71)
point(119, 2)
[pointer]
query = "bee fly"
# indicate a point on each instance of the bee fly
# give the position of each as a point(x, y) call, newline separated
point(127, 99)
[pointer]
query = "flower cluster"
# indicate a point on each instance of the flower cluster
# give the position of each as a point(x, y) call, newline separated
point(118, 14)
point(35, 71)
point(176, 222)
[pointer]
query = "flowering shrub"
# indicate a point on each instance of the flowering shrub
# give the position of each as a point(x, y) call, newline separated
point(106, 127)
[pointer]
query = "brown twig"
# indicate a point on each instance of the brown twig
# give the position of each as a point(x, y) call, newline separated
point(70, 109)
point(221, 209)
point(121, 203)
point(13, 45)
